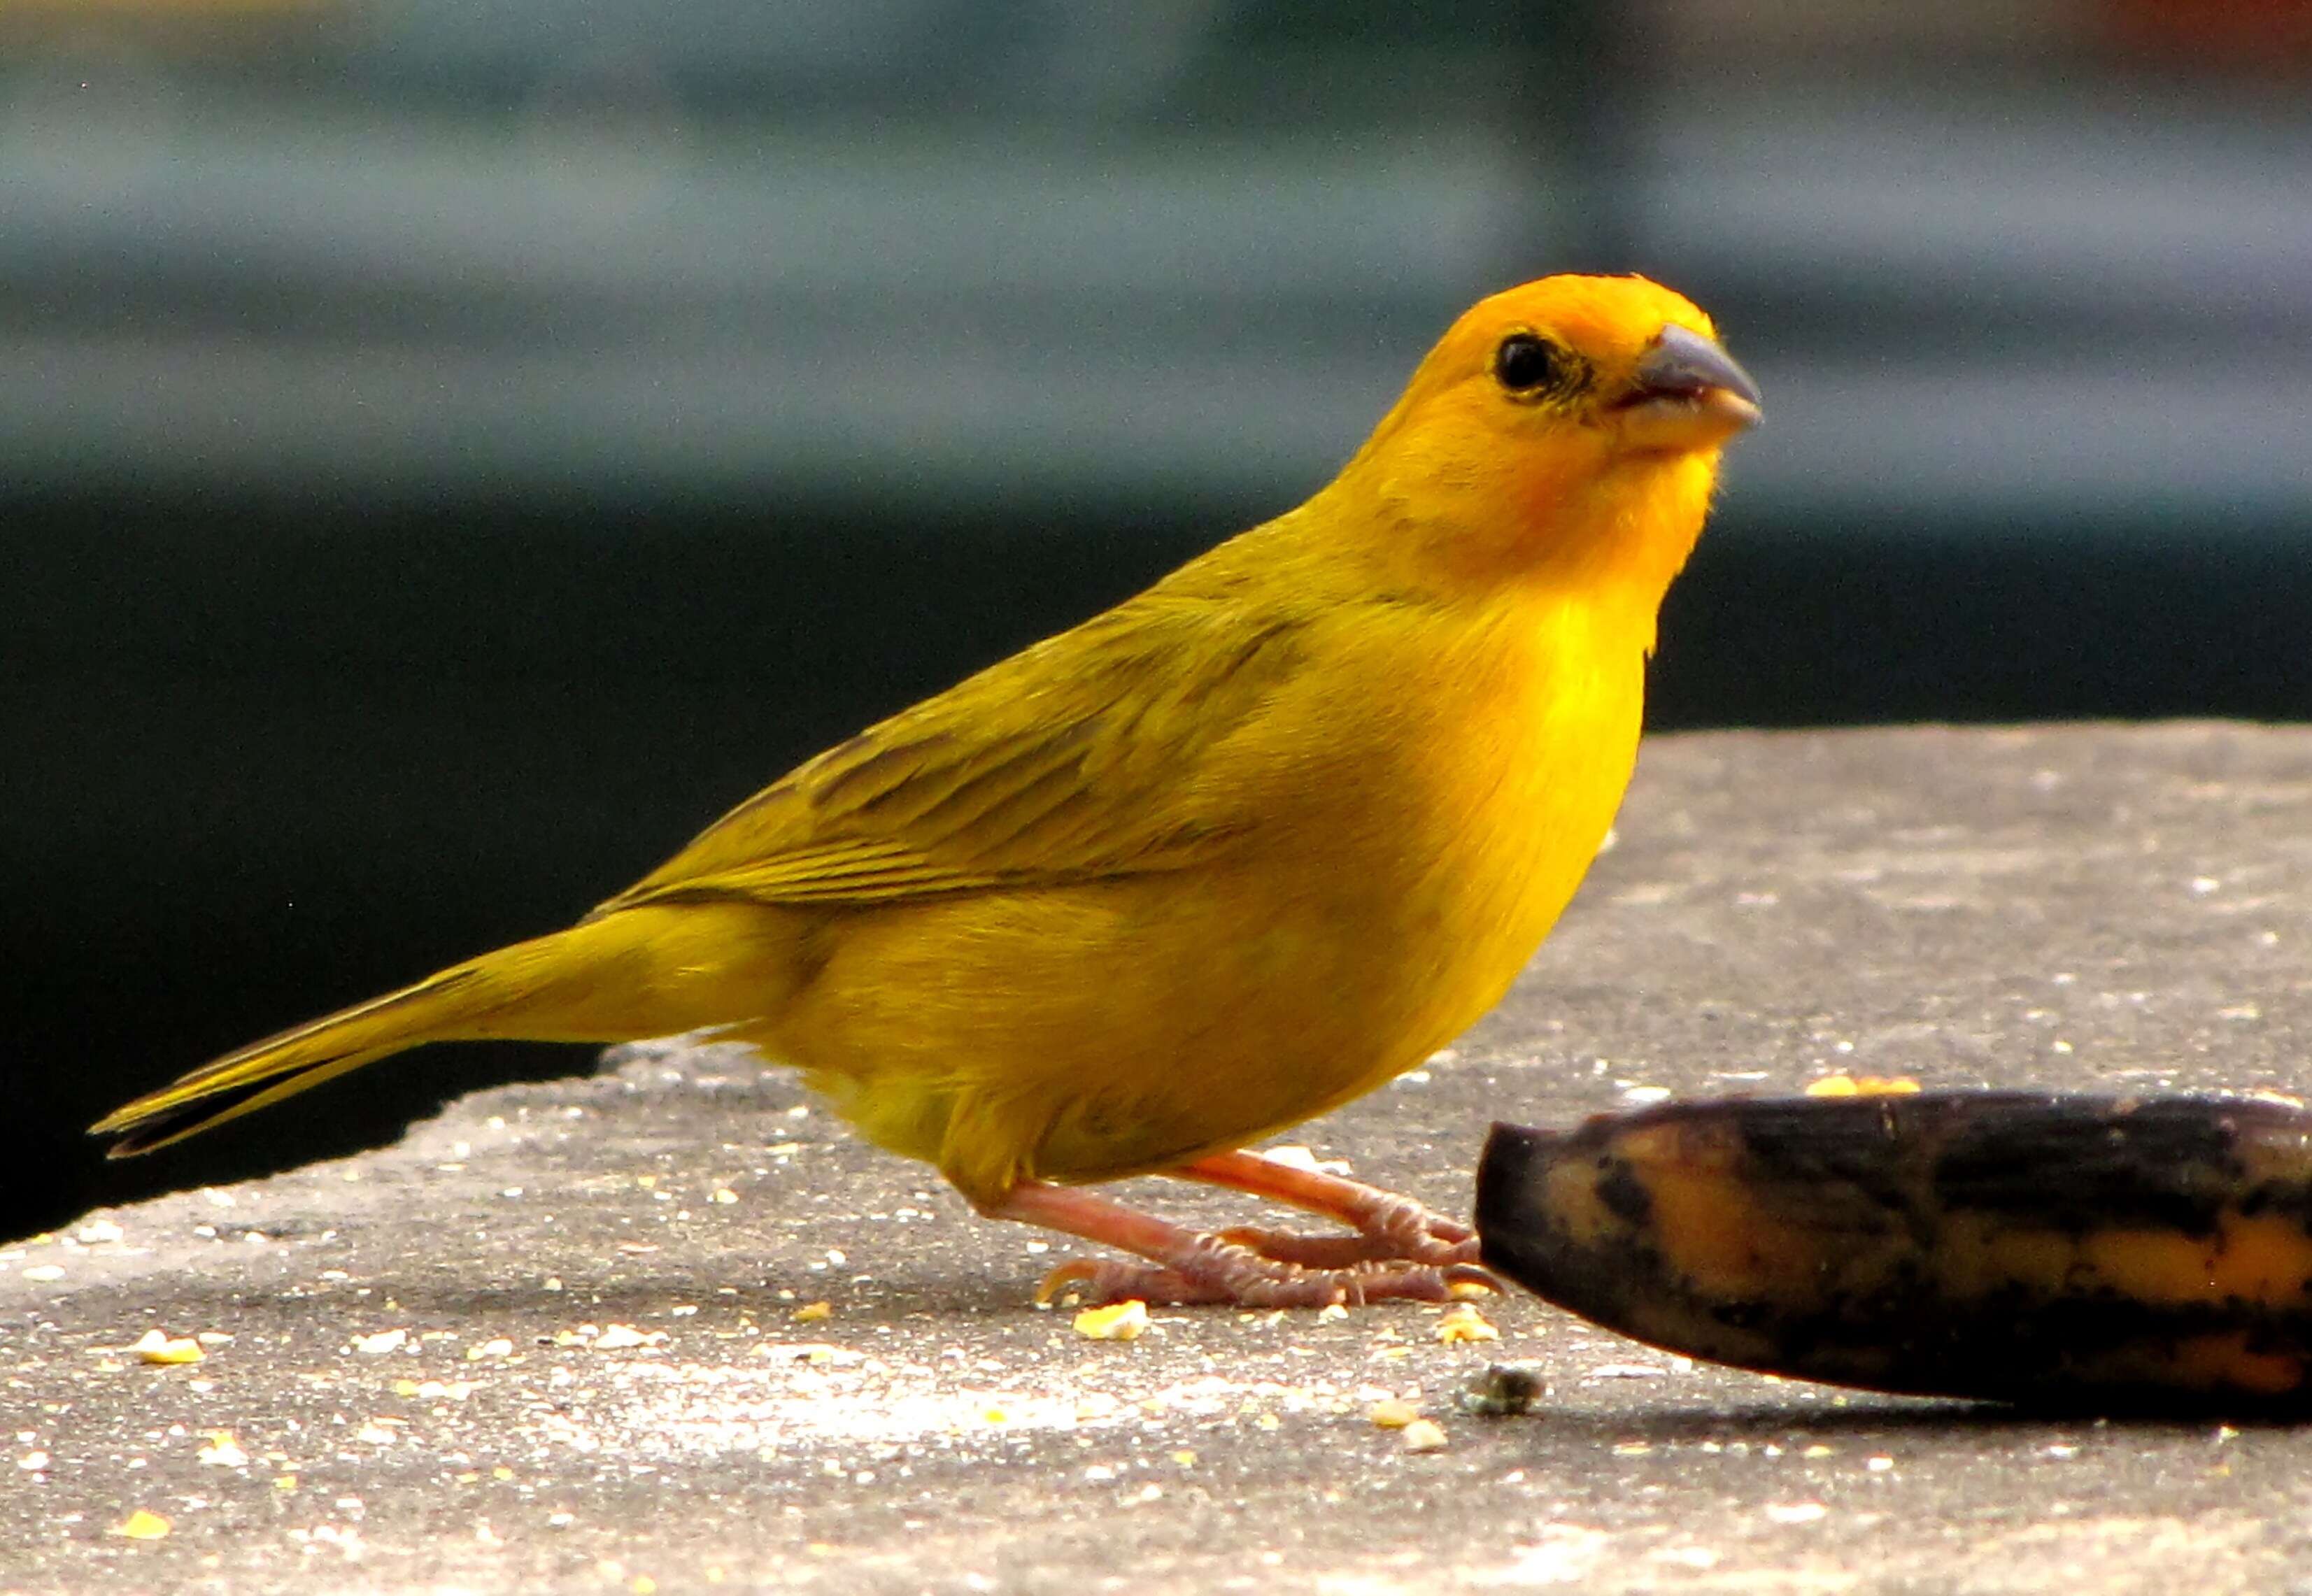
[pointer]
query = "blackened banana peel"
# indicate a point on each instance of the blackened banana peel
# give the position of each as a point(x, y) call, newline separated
point(2065, 1252)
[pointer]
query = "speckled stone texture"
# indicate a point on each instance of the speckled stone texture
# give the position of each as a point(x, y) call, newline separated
point(553, 1340)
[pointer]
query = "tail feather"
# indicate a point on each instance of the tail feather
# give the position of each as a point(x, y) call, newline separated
point(646, 971)
point(282, 1066)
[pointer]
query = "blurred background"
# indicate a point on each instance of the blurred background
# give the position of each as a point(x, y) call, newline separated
point(449, 451)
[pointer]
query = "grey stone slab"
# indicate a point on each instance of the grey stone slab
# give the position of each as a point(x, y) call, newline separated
point(2121, 907)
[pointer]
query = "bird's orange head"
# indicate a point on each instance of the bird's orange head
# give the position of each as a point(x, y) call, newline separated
point(1571, 425)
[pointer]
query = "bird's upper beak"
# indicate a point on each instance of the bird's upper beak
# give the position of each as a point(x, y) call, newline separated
point(1686, 394)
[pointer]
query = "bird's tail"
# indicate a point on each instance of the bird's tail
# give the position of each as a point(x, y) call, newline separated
point(614, 979)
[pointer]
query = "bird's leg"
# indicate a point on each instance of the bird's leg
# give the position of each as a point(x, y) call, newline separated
point(1390, 1227)
point(1184, 1266)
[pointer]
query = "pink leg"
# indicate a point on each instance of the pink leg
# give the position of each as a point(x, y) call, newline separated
point(1387, 1227)
point(1192, 1268)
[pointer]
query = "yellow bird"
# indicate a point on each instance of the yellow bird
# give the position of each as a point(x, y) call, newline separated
point(1215, 861)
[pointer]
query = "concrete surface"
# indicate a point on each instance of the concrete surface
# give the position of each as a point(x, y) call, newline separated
point(552, 1342)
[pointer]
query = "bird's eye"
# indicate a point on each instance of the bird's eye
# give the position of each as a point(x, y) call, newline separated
point(1527, 363)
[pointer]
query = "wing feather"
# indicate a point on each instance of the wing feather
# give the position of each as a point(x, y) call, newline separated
point(1076, 759)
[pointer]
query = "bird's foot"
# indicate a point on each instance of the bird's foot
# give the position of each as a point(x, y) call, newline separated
point(1390, 1228)
point(1408, 1254)
point(1221, 1270)
point(1404, 1232)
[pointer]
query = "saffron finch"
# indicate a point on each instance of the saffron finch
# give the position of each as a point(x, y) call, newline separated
point(1231, 854)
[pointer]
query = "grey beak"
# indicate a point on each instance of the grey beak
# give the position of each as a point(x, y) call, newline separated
point(1684, 362)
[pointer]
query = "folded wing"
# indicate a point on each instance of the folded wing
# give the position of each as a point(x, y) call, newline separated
point(1081, 758)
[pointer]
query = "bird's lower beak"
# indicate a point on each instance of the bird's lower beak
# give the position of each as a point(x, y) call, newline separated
point(1687, 393)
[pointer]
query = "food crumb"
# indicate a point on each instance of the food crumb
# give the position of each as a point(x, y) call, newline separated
point(617, 1338)
point(1392, 1413)
point(1862, 1086)
point(1118, 1321)
point(158, 1347)
point(142, 1525)
point(812, 1313)
point(1462, 1322)
point(1425, 1434)
point(1294, 1156)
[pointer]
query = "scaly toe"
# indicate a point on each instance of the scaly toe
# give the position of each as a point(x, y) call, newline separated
point(1310, 1252)
point(1223, 1270)
point(1094, 1282)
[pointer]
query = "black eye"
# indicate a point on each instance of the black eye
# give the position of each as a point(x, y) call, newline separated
point(1525, 364)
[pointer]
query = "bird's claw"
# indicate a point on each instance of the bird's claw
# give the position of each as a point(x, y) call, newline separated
point(1098, 1280)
